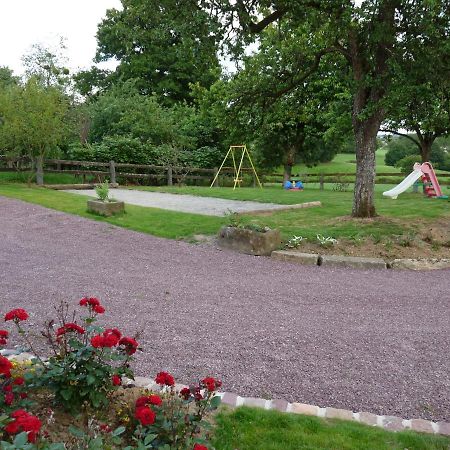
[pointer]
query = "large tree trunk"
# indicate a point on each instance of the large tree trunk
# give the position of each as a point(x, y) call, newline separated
point(290, 156)
point(366, 145)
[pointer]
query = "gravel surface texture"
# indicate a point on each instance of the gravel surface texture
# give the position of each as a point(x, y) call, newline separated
point(364, 340)
point(208, 206)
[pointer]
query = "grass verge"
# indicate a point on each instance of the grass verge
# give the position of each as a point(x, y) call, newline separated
point(255, 429)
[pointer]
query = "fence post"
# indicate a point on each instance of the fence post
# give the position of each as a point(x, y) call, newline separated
point(58, 166)
point(216, 183)
point(321, 181)
point(169, 176)
point(112, 172)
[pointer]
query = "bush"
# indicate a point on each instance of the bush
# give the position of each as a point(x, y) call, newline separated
point(406, 164)
point(85, 369)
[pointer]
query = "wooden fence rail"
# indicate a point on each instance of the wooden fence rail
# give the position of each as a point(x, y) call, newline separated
point(170, 174)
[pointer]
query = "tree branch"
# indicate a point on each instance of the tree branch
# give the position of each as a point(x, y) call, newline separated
point(386, 130)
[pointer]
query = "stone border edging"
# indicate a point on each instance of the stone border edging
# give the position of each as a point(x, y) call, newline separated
point(389, 423)
point(359, 262)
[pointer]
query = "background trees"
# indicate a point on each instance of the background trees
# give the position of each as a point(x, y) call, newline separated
point(33, 121)
point(373, 38)
point(164, 46)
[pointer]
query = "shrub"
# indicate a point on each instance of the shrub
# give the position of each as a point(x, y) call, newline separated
point(406, 164)
point(86, 366)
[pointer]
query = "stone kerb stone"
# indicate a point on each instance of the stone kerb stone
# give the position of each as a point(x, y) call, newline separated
point(354, 262)
point(310, 259)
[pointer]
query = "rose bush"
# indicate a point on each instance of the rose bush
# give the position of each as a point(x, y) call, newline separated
point(85, 367)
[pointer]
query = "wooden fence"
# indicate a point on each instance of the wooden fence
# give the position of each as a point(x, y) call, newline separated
point(169, 175)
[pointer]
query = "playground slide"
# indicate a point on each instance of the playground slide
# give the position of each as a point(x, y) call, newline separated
point(404, 185)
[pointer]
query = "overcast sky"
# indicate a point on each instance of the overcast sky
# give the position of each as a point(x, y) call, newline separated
point(26, 22)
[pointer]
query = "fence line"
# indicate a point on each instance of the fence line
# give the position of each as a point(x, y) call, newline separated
point(169, 173)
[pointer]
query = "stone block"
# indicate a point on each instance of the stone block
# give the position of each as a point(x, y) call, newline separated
point(303, 408)
point(249, 241)
point(368, 418)
point(353, 262)
point(309, 259)
point(420, 264)
point(421, 426)
point(229, 399)
point(393, 423)
point(105, 208)
point(335, 413)
point(444, 428)
point(255, 402)
point(279, 405)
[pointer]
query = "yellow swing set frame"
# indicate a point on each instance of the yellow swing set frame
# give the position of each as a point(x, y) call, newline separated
point(237, 153)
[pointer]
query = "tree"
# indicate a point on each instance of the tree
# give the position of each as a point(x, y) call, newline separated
point(297, 125)
point(163, 45)
point(47, 65)
point(7, 77)
point(370, 37)
point(420, 98)
point(33, 121)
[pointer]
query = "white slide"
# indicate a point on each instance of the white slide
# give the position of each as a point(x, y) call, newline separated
point(405, 184)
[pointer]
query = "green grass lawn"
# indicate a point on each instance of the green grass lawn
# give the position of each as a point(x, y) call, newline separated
point(159, 222)
point(406, 214)
point(257, 429)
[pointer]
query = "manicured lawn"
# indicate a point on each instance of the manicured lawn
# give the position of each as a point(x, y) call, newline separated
point(406, 214)
point(251, 429)
point(154, 221)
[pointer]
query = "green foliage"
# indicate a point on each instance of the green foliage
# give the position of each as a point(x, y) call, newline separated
point(406, 164)
point(102, 191)
point(32, 119)
point(163, 45)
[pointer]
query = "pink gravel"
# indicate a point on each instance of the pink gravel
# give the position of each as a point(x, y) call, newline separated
point(376, 341)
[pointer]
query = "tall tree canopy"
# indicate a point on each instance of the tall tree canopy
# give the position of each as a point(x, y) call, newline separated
point(373, 38)
point(163, 45)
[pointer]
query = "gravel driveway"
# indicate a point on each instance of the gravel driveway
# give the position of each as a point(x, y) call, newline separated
point(364, 340)
point(208, 206)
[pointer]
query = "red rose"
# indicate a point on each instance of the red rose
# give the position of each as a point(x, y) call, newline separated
point(200, 447)
point(5, 366)
point(9, 398)
point(185, 393)
point(19, 381)
point(99, 309)
point(145, 415)
point(97, 341)
point(17, 315)
point(155, 400)
point(93, 301)
point(116, 381)
point(23, 395)
point(105, 428)
point(83, 301)
point(68, 327)
point(113, 331)
point(4, 334)
point(110, 338)
point(164, 378)
point(24, 422)
point(148, 400)
point(211, 384)
point(130, 345)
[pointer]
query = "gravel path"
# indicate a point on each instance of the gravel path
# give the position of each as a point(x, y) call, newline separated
point(208, 206)
point(363, 340)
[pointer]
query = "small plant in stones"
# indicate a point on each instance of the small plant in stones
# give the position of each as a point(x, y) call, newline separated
point(295, 241)
point(326, 241)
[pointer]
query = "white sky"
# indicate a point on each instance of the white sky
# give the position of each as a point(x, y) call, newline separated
point(26, 22)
